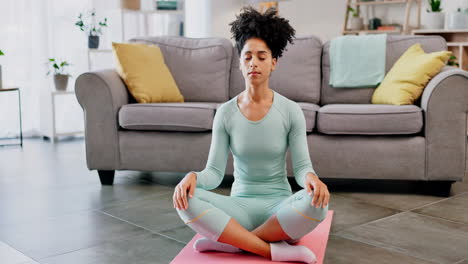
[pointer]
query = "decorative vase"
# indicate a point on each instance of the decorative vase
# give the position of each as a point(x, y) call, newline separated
point(355, 23)
point(435, 20)
point(61, 82)
point(456, 20)
point(93, 42)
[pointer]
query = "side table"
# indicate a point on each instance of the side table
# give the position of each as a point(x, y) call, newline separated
point(19, 107)
point(48, 120)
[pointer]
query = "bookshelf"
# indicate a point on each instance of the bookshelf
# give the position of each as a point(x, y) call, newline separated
point(457, 42)
point(406, 27)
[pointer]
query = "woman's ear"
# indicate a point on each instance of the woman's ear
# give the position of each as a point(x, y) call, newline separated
point(273, 64)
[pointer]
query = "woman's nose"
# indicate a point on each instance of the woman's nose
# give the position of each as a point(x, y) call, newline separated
point(253, 62)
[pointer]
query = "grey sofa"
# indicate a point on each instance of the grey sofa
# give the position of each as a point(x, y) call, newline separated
point(348, 137)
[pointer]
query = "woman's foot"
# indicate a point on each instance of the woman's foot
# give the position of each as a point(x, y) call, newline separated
point(205, 244)
point(282, 251)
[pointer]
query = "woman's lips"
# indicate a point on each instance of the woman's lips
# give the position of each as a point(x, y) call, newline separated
point(254, 73)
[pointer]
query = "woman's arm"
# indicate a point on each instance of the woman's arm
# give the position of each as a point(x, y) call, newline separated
point(211, 177)
point(297, 140)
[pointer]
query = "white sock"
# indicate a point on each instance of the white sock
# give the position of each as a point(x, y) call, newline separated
point(205, 244)
point(282, 251)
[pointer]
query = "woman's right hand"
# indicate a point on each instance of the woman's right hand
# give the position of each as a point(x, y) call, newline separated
point(187, 184)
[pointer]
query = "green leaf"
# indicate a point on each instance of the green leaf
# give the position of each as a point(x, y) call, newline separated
point(435, 5)
point(56, 66)
point(51, 59)
point(1, 53)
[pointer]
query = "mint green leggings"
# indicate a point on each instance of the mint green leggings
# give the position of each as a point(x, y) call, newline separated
point(208, 213)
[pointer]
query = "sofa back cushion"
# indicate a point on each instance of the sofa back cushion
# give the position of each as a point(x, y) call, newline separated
point(396, 46)
point(297, 73)
point(200, 66)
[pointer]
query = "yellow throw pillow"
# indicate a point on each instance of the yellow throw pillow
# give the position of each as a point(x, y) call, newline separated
point(145, 73)
point(405, 82)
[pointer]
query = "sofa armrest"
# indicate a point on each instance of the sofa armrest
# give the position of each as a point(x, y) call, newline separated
point(101, 94)
point(445, 106)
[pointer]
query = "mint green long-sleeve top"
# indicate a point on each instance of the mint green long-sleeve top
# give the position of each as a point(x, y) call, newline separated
point(258, 148)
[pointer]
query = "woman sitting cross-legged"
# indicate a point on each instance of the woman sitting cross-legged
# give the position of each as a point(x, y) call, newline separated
point(262, 215)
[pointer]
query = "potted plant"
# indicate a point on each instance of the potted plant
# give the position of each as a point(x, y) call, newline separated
point(1, 54)
point(60, 74)
point(92, 29)
point(355, 23)
point(435, 16)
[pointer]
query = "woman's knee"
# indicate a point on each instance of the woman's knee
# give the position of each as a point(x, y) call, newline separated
point(195, 205)
point(319, 213)
point(204, 218)
point(198, 204)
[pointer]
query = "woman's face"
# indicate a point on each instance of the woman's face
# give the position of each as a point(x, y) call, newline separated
point(256, 61)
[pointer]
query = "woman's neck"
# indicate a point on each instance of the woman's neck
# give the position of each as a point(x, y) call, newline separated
point(258, 94)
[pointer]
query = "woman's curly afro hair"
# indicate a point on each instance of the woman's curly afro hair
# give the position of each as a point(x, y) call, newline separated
point(274, 30)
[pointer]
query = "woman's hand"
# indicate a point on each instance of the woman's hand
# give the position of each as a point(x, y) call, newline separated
point(188, 183)
point(321, 194)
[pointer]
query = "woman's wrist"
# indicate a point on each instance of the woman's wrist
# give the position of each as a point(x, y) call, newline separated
point(311, 175)
point(193, 174)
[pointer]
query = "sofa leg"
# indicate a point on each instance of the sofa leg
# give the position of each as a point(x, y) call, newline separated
point(439, 188)
point(106, 176)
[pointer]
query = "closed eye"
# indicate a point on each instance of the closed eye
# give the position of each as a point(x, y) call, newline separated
point(250, 58)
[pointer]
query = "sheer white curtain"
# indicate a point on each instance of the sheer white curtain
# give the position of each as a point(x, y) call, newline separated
point(31, 32)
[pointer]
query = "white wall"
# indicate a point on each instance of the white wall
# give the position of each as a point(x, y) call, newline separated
point(198, 16)
point(323, 18)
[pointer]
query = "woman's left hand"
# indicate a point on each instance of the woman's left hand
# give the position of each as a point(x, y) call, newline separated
point(321, 194)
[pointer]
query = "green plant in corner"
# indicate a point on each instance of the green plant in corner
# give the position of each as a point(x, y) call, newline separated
point(1, 53)
point(57, 67)
point(435, 6)
point(355, 12)
point(452, 61)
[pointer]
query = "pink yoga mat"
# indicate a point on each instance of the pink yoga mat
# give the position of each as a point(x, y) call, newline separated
point(316, 240)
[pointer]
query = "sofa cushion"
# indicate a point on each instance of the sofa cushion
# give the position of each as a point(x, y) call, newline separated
point(193, 116)
point(396, 46)
point(405, 82)
point(200, 66)
point(369, 119)
point(310, 114)
point(297, 73)
point(143, 70)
